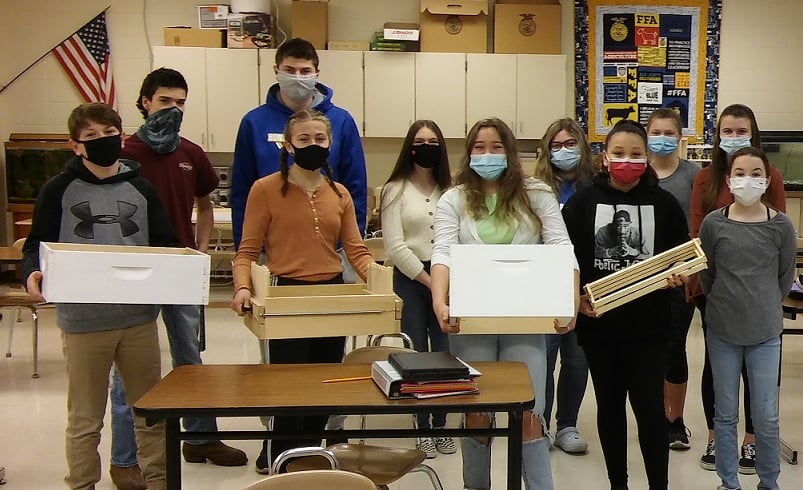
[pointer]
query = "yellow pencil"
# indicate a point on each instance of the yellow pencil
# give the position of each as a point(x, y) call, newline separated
point(338, 380)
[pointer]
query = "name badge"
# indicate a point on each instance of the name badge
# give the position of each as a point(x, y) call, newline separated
point(275, 138)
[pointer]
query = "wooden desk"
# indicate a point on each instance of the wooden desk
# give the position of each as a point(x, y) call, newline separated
point(297, 389)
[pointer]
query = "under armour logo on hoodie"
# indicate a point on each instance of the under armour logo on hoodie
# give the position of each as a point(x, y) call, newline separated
point(86, 228)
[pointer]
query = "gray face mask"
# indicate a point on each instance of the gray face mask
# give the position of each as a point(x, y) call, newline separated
point(297, 87)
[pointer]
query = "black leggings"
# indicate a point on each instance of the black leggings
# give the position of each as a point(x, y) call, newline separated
point(707, 382)
point(677, 363)
point(637, 371)
point(303, 351)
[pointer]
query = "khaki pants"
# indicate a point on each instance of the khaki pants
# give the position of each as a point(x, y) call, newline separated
point(89, 357)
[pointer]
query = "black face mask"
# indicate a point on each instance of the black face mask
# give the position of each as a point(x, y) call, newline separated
point(312, 157)
point(105, 151)
point(427, 156)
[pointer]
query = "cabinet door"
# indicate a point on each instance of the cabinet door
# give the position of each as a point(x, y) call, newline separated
point(491, 88)
point(232, 89)
point(342, 72)
point(541, 93)
point(389, 93)
point(440, 91)
point(267, 58)
point(191, 62)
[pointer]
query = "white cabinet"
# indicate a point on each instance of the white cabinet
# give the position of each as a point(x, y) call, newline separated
point(540, 93)
point(223, 85)
point(491, 88)
point(440, 91)
point(527, 91)
point(389, 93)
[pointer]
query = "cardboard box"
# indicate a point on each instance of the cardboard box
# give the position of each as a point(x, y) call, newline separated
point(527, 26)
point(349, 45)
point(309, 19)
point(212, 16)
point(81, 273)
point(252, 30)
point(401, 31)
point(454, 26)
point(188, 36)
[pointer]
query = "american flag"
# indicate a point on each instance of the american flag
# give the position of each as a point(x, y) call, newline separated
point(85, 56)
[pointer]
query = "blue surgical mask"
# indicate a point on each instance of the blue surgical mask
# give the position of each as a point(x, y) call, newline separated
point(566, 158)
point(732, 145)
point(662, 145)
point(489, 166)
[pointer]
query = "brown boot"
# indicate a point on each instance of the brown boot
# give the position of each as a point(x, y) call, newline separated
point(129, 478)
point(216, 452)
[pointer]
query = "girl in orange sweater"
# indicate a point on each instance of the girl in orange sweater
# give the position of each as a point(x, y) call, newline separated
point(298, 216)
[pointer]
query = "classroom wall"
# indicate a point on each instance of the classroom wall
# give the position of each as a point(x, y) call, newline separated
point(757, 64)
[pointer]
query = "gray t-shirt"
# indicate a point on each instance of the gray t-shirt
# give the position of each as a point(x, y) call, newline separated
point(751, 267)
point(679, 184)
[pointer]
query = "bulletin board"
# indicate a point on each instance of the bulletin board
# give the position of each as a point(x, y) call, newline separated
point(636, 56)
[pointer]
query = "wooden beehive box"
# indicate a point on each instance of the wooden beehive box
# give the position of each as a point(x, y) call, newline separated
point(646, 276)
point(330, 310)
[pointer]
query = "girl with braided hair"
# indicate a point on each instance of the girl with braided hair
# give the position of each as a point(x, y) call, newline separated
point(299, 216)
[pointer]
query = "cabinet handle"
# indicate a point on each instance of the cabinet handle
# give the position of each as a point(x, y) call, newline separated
point(521, 128)
point(203, 139)
point(212, 139)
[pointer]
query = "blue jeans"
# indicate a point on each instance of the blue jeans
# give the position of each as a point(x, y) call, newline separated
point(572, 379)
point(182, 323)
point(419, 322)
point(529, 349)
point(762, 362)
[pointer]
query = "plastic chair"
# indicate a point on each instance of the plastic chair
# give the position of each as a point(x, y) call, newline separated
point(383, 465)
point(18, 298)
point(310, 480)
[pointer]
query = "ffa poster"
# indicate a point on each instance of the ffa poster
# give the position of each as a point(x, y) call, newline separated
point(643, 57)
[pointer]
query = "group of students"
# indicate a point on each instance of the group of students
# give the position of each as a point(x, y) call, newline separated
point(297, 161)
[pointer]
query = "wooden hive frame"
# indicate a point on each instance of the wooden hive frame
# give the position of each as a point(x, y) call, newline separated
point(646, 276)
point(326, 310)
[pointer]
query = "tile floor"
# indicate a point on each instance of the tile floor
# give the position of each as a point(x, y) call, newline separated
point(33, 421)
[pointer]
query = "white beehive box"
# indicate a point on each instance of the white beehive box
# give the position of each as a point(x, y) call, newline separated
point(507, 289)
point(80, 273)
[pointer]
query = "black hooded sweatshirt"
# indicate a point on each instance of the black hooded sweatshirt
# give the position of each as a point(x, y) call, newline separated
point(611, 230)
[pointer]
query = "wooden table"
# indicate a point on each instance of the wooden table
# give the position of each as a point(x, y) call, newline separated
point(211, 390)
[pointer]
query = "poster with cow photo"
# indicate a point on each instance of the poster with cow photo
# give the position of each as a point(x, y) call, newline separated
point(645, 55)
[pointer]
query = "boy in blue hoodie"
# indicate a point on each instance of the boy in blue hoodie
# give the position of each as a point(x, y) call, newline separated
point(259, 139)
point(100, 199)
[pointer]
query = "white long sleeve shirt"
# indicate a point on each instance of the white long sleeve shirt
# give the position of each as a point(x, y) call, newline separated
point(453, 223)
point(408, 222)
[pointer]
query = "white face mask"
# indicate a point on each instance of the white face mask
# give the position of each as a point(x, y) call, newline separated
point(747, 190)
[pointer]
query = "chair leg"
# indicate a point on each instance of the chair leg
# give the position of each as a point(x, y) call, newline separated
point(10, 336)
point(433, 477)
point(35, 334)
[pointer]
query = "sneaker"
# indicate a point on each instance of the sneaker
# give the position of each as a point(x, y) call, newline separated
point(723, 487)
point(570, 441)
point(678, 435)
point(708, 460)
point(263, 463)
point(427, 444)
point(747, 463)
point(445, 445)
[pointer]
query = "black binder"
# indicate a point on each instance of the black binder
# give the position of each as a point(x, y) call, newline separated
point(428, 366)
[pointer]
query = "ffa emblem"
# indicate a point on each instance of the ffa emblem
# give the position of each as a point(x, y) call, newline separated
point(527, 25)
point(618, 29)
point(453, 25)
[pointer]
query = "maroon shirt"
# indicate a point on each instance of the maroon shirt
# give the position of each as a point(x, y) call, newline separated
point(179, 177)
